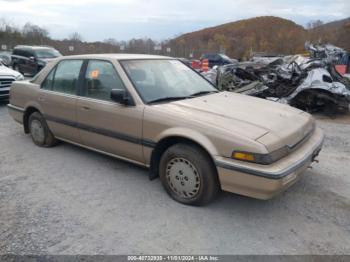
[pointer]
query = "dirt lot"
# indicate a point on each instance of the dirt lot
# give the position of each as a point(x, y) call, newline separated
point(67, 200)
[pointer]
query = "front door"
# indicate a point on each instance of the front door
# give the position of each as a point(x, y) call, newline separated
point(58, 98)
point(106, 125)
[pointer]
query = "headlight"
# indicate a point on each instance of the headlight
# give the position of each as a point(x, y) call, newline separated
point(19, 78)
point(267, 159)
point(263, 159)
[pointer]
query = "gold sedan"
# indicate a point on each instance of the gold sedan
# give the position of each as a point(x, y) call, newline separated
point(156, 112)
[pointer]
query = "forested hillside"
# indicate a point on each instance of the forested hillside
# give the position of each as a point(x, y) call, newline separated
point(337, 32)
point(262, 34)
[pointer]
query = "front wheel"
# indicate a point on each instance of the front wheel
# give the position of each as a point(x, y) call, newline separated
point(40, 132)
point(188, 175)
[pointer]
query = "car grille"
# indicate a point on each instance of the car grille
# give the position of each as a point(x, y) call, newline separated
point(6, 82)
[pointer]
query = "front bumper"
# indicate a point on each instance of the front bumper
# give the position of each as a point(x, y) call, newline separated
point(266, 181)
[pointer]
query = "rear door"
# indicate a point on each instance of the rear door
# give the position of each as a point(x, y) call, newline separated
point(58, 98)
point(104, 124)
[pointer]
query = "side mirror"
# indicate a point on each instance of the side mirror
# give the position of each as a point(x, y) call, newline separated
point(121, 96)
point(32, 59)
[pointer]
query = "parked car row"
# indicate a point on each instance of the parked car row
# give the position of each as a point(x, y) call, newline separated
point(30, 60)
point(25, 60)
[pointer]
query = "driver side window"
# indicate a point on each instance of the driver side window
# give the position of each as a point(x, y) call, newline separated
point(100, 79)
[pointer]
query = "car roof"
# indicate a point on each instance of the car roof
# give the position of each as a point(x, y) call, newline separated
point(32, 47)
point(115, 56)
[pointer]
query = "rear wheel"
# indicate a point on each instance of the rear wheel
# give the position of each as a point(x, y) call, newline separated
point(40, 132)
point(188, 175)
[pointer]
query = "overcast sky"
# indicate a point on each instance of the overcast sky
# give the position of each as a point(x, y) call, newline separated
point(158, 19)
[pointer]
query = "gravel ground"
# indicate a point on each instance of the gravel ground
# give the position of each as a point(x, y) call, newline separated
point(68, 200)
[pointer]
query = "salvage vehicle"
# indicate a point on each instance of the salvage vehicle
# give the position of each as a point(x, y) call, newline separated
point(31, 59)
point(311, 84)
point(157, 112)
point(7, 76)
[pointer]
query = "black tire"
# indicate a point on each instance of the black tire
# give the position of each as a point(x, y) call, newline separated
point(203, 170)
point(48, 139)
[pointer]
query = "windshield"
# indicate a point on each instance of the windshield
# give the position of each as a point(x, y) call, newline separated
point(47, 53)
point(159, 79)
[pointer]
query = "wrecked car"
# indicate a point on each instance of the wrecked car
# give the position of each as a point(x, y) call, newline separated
point(159, 113)
point(311, 84)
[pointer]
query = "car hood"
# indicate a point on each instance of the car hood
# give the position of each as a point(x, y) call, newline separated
point(5, 71)
point(247, 116)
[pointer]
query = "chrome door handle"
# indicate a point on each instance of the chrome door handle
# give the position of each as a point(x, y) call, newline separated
point(86, 108)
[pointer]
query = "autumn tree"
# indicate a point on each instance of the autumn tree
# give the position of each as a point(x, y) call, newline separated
point(343, 39)
point(35, 34)
point(75, 37)
point(221, 42)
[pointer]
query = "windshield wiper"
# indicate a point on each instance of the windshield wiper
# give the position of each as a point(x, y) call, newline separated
point(203, 93)
point(168, 98)
point(173, 98)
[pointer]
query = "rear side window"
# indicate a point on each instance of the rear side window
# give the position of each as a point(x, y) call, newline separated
point(100, 79)
point(47, 84)
point(66, 76)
